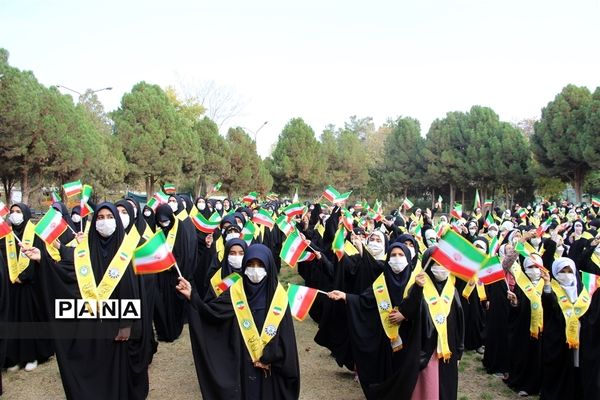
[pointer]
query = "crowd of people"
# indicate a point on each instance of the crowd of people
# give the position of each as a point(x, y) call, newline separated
point(391, 314)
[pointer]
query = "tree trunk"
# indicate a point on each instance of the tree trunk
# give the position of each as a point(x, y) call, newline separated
point(507, 199)
point(452, 195)
point(432, 199)
point(463, 198)
point(8, 185)
point(147, 185)
point(25, 186)
point(578, 183)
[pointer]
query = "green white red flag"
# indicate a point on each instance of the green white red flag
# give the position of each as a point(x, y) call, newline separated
point(294, 210)
point(300, 299)
point(250, 198)
point(477, 202)
point(489, 221)
point(55, 197)
point(51, 226)
point(491, 271)
point(331, 194)
point(488, 202)
point(457, 211)
point(263, 217)
point(72, 188)
point(407, 204)
point(153, 256)
point(596, 201)
point(292, 248)
point(522, 213)
point(5, 228)
point(347, 220)
point(169, 188)
point(204, 225)
point(86, 210)
point(544, 227)
point(248, 232)
point(285, 225)
point(4, 211)
point(226, 283)
point(86, 194)
point(458, 255)
point(338, 242)
point(590, 281)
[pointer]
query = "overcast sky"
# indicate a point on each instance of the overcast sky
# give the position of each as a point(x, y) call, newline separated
point(320, 60)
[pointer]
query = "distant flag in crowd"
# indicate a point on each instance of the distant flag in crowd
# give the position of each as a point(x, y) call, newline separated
point(590, 282)
point(457, 211)
point(438, 203)
point(528, 251)
point(330, 193)
point(307, 256)
point(338, 242)
point(226, 283)
point(343, 197)
point(491, 271)
point(488, 202)
point(4, 211)
point(284, 225)
point(86, 210)
point(55, 197)
point(216, 187)
point(263, 217)
point(250, 198)
point(51, 226)
point(458, 255)
point(544, 226)
point(169, 188)
point(153, 256)
point(596, 201)
point(489, 220)
point(295, 198)
point(161, 197)
point(204, 225)
point(300, 299)
point(153, 204)
point(248, 232)
point(477, 202)
point(72, 188)
point(347, 220)
point(86, 194)
point(407, 204)
point(294, 210)
point(522, 213)
point(292, 248)
point(5, 228)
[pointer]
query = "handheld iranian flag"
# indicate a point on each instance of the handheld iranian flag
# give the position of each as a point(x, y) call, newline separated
point(226, 283)
point(527, 251)
point(250, 198)
point(544, 227)
point(300, 298)
point(51, 226)
point(489, 221)
point(248, 232)
point(488, 202)
point(522, 213)
point(477, 202)
point(457, 211)
point(347, 220)
point(342, 197)
point(590, 282)
point(153, 204)
point(86, 194)
point(407, 204)
point(203, 224)
point(4, 211)
point(338, 243)
point(169, 188)
point(161, 197)
point(5, 228)
point(295, 198)
point(596, 201)
point(55, 197)
point(263, 217)
point(458, 255)
point(307, 256)
point(491, 271)
point(153, 256)
point(216, 188)
point(294, 210)
point(284, 225)
point(331, 194)
point(72, 188)
point(292, 248)
point(438, 203)
point(86, 210)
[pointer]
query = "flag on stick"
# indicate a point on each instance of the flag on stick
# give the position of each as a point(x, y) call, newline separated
point(491, 271)
point(169, 188)
point(263, 217)
point(300, 298)
point(226, 283)
point(72, 188)
point(458, 255)
point(204, 225)
point(4, 211)
point(153, 256)
point(51, 226)
point(407, 204)
point(5, 228)
point(292, 248)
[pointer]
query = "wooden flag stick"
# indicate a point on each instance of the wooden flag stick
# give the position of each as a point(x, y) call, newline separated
point(178, 271)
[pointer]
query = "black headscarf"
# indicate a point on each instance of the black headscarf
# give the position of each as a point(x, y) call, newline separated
point(225, 267)
point(180, 206)
point(67, 235)
point(206, 212)
point(259, 295)
point(164, 212)
point(408, 237)
point(230, 219)
point(102, 250)
point(188, 201)
point(241, 217)
point(26, 211)
point(139, 221)
point(397, 282)
point(151, 219)
point(129, 208)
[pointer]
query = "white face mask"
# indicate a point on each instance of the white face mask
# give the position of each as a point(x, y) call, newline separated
point(106, 227)
point(431, 241)
point(412, 252)
point(164, 224)
point(375, 248)
point(235, 261)
point(219, 206)
point(493, 233)
point(173, 206)
point(398, 264)
point(578, 229)
point(125, 220)
point(255, 274)
point(473, 231)
point(565, 278)
point(534, 274)
point(16, 218)
point(201, 205)
point(147, 213)
point(440, 273)
point(232, 235)
point(135, 212)
point(535, 242)
point(76, 218)
point(560, 250)
point(240, 225)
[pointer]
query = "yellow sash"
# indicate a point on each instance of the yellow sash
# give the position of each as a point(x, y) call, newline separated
point(215, 280)
point(182, 215)
point(147, 232)
point(172, 235)
point(472, 284)
point(534, 294)
point(254, 342)
point(17, 262)
point(411, 279)
point(220, 246)
point(384, 306)
point(571, 312)
point(439, 308)
point(112, 275)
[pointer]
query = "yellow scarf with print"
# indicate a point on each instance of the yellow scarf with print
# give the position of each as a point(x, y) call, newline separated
point(17, 262)
point(472, 284)
point(254, 342)
point(534, 294)
point(439, 308)
point(384, 306)
point(571, 312)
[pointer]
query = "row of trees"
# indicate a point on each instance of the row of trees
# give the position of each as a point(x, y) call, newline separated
point(158, 136)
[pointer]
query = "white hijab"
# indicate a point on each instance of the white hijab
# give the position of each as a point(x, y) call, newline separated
point(557, 266)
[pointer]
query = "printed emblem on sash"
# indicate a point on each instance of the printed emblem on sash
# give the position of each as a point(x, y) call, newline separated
point(440, 319)
point(277, 310)
point(123, 256)
point(246, 324)
point(240, 305)
point(535, 306)
point(84, 270)
point(113, 273)
point(384, 305)
point(270, 330)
